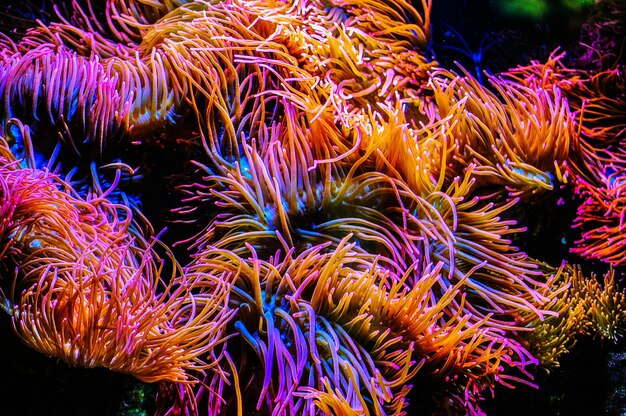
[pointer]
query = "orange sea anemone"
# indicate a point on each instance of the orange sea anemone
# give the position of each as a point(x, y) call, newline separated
point(354, 203)
point(518, 137)
point(336, 331)
point(602, 219)
point(92, 292)
point(597, 167)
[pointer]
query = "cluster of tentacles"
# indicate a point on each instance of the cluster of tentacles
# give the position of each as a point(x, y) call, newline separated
point(350, 204)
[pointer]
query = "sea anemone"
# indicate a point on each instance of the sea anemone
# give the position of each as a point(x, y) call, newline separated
point(602, 216)
point(583, 306)
point(354, 201)
point(91, 292)
point(598, 165)
point(337, 331)
point(519, 138)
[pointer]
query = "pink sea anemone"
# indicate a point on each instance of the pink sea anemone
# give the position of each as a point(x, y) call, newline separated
point(88, 289)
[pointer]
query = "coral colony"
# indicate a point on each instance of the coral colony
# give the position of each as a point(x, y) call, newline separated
point(342, 204)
